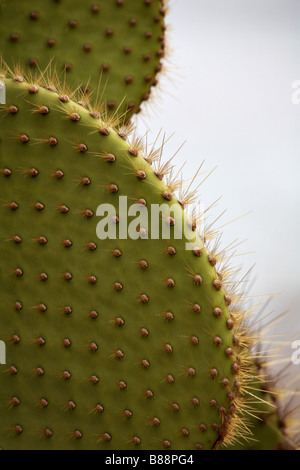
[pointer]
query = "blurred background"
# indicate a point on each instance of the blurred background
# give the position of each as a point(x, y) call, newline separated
point(228, 94)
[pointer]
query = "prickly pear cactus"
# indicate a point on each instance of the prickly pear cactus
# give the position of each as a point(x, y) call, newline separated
point(110, 343)
point(118, 44)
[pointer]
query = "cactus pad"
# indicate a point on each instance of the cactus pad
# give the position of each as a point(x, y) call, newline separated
point(110, 343)
point(117, 43)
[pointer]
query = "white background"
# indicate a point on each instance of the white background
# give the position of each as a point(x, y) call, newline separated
point(228, 94)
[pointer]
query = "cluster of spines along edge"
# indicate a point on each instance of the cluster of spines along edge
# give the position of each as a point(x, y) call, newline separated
point(119, 44)
point(271, 430)
point(115, 344)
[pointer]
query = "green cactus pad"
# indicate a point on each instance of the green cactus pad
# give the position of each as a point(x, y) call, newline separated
point(118, 44)
point(110, 343)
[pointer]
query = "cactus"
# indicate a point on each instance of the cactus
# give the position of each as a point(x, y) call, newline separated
point(117, 43)
point(273, 427)
point(111, 343)
point(267, 431)
point(275, 423)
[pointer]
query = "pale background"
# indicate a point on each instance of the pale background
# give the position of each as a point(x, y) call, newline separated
point(228, 94)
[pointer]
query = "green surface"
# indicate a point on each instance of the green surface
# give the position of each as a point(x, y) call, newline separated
point(182, 429)
point(117, 45)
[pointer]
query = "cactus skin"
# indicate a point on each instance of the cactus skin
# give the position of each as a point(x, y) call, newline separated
point(117, 43)
point(69, 311)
